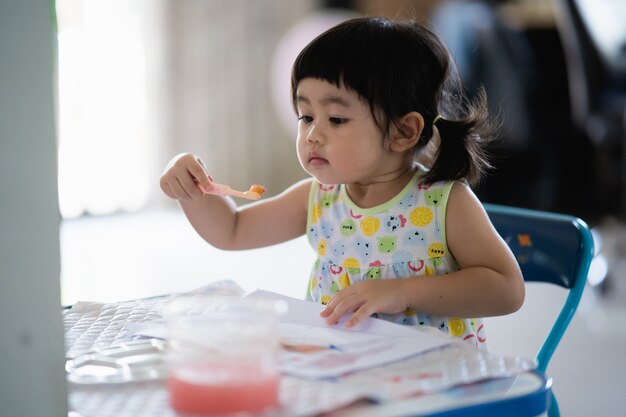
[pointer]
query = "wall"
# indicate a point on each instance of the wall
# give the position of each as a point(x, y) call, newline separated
point(32, 380)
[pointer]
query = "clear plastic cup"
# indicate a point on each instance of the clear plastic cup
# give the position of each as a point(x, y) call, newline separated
point(223, 355)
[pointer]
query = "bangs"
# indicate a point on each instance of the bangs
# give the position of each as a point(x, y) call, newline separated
point(350, 55)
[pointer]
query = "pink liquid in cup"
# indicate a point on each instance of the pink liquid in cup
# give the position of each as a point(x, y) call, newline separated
point(222, 389)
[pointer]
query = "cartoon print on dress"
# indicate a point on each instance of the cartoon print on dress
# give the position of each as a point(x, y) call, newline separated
point(408, 200)
point(369, 225)
point(436, 262)
point(436, 250)
point(316, 213)
point(347, 227)
point(421, 216)
point(410, 316)
point(334, 287)
point(376, 263)
point(414, 238)
point(393, 223)
point(327, 200)
point(423, 319)
point(480, 335)
point(436, 253)
point(354, 215)
point(401, 256)
point(372, 273)
point(326, 229)
point(325, 299)
point(313, 232)
point(363, 247)
point(386, 244)
point(472, 336)
point(400, 264)
point(334, 269)
point(443, 325)
point(344, 280)
point(351, 265)
point(471, 339)
point(416, 266)
point(338, 250)
point(324, 273)
point(434, 197)
point(456, 327)
point(400, 270)
point(321, 247)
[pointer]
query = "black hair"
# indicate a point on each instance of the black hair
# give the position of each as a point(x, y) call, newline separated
point(398, 67)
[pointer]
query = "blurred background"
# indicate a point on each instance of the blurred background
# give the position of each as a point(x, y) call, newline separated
point(143, 80)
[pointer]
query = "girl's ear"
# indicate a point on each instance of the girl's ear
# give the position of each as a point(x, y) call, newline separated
point(406, 132)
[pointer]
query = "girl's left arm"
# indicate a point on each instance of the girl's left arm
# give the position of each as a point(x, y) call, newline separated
point(488, 283)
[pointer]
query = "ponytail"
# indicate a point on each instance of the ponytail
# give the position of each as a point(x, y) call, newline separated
point(461, 153)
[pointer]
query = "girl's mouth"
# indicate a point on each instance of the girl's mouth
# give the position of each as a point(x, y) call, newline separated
point(317, 160)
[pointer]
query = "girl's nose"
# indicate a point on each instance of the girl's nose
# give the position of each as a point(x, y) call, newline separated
point(314, 134)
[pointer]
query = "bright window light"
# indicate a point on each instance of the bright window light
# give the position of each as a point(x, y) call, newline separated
point(103, 140)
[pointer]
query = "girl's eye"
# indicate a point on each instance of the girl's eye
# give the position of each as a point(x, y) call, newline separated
point(337, 121)
point(306, 119)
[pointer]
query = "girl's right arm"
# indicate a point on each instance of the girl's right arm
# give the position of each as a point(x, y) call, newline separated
point(224, 225)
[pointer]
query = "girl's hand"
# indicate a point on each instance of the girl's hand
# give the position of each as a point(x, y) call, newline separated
point(366, 298)
point(185, 178)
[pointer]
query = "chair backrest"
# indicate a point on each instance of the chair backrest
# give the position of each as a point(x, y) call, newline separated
point(552, 248)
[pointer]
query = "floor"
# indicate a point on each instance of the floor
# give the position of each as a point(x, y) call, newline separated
point(130, 256)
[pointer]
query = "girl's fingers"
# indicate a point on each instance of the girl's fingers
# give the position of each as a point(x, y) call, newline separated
point(344, 305)
point(361, 313)
point(179, 190)
point(192, 188)
point(199, 174)
point(336, 300)
point(167, 189)
point(186, 178)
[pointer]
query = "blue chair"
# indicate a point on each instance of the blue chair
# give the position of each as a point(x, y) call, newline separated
point(551, 248)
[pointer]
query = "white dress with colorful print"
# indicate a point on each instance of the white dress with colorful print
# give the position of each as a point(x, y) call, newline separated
point(402, 238)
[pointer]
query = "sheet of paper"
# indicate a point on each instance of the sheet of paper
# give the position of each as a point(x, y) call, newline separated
point(313, 349)
point(307, 312)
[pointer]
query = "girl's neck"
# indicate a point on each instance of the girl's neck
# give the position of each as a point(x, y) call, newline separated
point(381, 189)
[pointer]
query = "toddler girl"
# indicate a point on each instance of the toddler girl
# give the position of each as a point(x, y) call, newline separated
point(401, 240)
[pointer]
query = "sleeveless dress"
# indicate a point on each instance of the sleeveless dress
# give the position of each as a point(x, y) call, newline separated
point(402, 238)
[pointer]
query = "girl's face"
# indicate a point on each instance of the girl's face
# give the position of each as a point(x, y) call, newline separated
point(338, 139)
